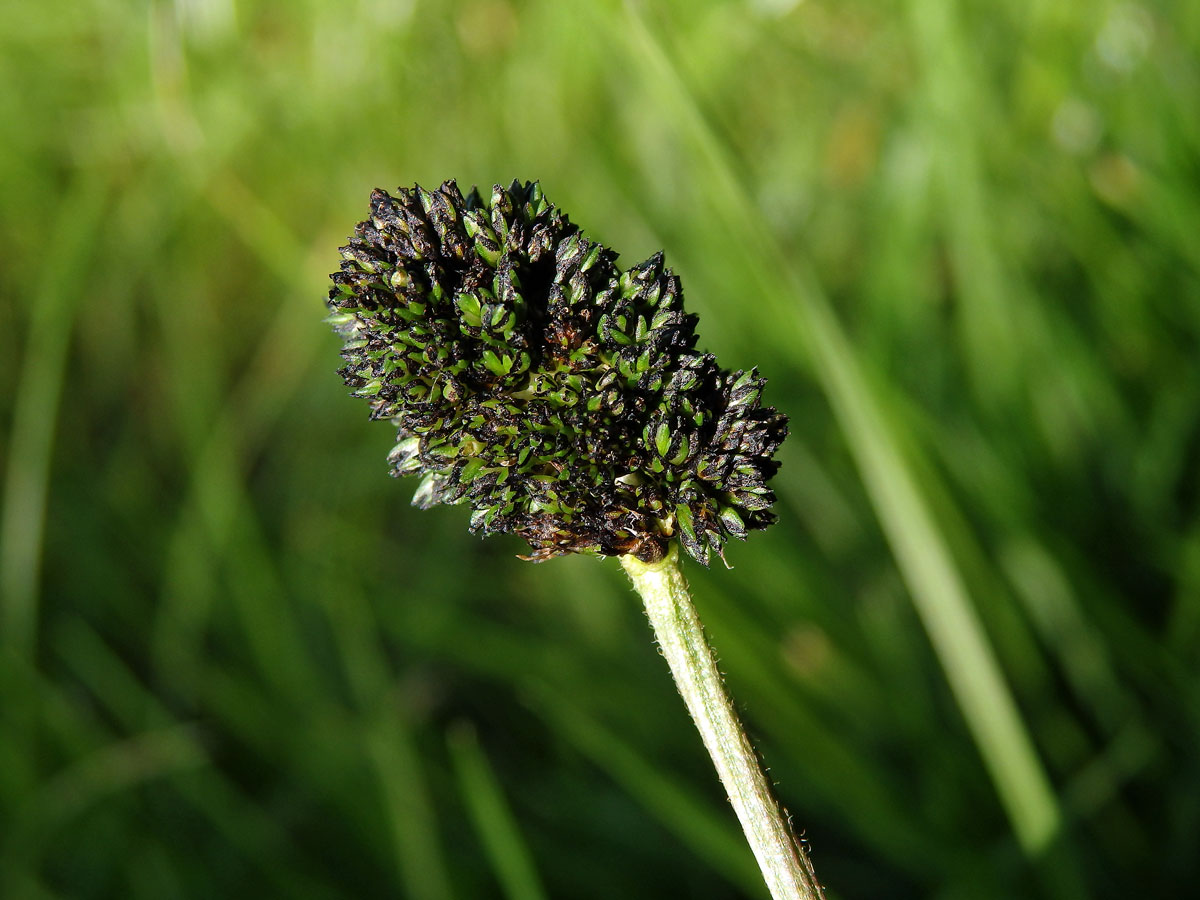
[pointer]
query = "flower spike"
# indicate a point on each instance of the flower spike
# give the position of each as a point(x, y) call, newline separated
point(530, 378)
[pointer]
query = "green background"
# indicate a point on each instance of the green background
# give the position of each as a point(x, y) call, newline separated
point(962, 239)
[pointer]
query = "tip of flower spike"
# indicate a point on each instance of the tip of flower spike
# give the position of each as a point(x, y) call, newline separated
point(531, 379)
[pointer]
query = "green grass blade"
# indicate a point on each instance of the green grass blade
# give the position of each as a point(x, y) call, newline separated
point(27, 476)
point(493, 818)
point(713, 837)
point(796, 301)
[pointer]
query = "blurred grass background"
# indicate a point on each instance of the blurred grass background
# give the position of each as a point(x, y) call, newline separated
point(963, 241)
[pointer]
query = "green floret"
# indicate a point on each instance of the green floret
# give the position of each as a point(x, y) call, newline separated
point(560, 398)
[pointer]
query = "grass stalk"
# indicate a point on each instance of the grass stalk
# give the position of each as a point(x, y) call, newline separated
point(781, 857)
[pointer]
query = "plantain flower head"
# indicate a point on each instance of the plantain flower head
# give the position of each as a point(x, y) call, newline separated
point(560, 398)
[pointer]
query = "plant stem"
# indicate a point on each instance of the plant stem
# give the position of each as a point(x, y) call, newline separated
point(781, 857)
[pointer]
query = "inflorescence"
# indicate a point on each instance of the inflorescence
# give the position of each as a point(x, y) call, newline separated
point(562, 399)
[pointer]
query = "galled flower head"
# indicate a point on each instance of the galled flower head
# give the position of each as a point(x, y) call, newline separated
point(562, 399)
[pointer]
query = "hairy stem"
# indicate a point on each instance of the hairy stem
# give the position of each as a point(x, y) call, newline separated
point(784, 863)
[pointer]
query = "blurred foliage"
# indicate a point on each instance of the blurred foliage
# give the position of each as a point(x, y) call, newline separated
point(962, 240)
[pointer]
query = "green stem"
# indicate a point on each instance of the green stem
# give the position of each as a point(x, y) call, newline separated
point(782, 858)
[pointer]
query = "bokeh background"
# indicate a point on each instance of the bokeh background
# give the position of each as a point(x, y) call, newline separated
point(961, 238)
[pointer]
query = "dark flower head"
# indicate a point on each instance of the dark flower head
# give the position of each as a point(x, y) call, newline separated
point(530, 378)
